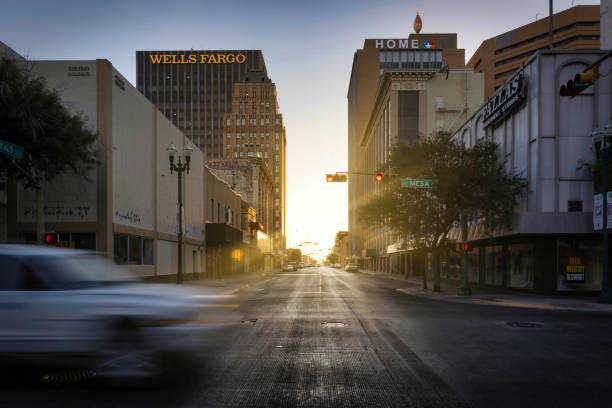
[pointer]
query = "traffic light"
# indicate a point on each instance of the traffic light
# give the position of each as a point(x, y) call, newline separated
point(379, 177)
point(52, 238)
point(580, 82)
point(335, 178)
point(465, 247)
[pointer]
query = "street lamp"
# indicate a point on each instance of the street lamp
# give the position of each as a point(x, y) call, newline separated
point(180, 168)
point(602, 140)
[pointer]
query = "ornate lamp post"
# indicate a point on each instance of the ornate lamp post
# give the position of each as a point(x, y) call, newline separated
point(180, 167)
point(602, 139)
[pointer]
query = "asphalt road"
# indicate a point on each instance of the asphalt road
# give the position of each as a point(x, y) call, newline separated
point(320, 337)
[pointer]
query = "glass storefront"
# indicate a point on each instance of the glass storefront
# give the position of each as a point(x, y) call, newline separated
point(579, 265)
point(521, 266)
point(494, 265)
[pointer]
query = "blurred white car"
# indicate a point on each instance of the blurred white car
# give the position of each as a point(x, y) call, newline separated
point(66, 302)
point(351, 268)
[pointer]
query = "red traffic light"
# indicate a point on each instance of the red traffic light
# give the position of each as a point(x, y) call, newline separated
point(379, 177)
point(466, 247)
point(335, 178)
point(48, 238)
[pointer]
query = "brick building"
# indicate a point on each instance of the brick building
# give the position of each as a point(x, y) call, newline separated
point(255, 128)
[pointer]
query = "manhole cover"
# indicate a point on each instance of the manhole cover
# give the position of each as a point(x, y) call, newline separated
point(333, 324)
point(69, 376)
point(251, 321)
point(524, 325)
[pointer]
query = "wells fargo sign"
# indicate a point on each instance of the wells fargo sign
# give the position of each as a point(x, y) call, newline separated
point(198, 58)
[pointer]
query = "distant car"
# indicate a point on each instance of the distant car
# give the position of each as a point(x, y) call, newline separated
point(289, 268)
point(300, 265)
point(351, 268)
point(64, 302)
point(337, 265)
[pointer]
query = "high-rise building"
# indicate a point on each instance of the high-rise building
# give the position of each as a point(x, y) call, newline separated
point(255, 128)
point(396, 94)
point(194, 89)
point(499, 57)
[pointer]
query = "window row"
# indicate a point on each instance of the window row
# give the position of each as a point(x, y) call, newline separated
point(133, 250)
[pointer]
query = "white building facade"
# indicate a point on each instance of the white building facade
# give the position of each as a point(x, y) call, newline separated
point(544, 137)
point(127, 206)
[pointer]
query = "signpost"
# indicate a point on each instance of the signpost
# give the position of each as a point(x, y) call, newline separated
point(415, 183)
point(10, 149)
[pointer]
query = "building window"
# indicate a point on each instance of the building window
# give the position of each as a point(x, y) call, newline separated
point(276, 158)
point(277, 136)
point(237, 122)
point(133, 250)
point(276, 169)
point(574, 206)
point(276, 147)
point(228, 122)
point(277, 121)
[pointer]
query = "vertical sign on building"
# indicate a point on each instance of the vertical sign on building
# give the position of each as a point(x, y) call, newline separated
point(609, 217)
point(597, 212)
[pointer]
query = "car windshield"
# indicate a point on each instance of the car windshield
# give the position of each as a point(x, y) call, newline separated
point(60, 272)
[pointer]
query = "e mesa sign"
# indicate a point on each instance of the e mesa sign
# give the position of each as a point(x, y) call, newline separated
point(197, 58)
point(505, 99)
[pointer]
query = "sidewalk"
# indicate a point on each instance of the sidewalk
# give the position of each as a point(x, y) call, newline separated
point(492, 296)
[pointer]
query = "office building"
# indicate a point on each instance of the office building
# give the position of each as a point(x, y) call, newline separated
point(398, 94)
point(194, 89)
point(499, 57)
point(255, 128)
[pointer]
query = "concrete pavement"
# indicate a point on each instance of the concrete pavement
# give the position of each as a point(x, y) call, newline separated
point(494, 297)
point(320, 337)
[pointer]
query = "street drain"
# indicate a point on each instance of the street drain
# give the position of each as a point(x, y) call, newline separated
point(333, 324)
point(251, 321)
point(524, 325)
point(70, 376)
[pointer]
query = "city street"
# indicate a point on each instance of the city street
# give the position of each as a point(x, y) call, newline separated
point(320, 337)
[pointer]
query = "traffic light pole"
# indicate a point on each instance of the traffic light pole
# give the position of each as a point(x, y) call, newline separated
point(464, 289)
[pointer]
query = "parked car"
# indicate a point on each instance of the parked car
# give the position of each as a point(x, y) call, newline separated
point(337, 265)
point(66, 303)
point(289, 268)
point(351, 268)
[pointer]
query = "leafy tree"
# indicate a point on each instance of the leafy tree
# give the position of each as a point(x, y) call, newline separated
point(470, 183)
point(332, 258)
point(54, 140)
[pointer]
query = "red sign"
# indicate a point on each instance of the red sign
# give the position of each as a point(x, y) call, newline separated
point(575, 268)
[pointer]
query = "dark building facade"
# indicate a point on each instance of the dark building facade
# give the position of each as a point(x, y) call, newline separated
point(194, 89)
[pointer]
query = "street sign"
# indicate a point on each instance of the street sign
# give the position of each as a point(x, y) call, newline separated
point(414, 183)
point(10, 149)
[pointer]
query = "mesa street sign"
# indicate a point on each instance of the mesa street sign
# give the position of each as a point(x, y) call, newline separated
point(411, 183)
point(10, 149)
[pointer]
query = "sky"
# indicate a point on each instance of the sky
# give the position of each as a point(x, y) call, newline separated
point(308, 48)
